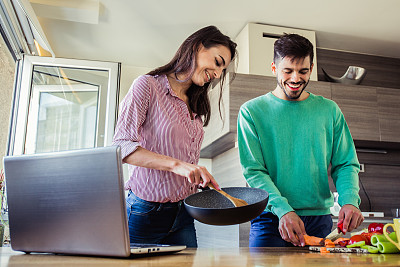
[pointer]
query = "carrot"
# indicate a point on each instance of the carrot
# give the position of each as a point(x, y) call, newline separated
point(313, 240)
point(324, 250)
point(329, 243)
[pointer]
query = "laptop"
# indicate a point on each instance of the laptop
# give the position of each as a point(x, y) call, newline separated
point(71, 202)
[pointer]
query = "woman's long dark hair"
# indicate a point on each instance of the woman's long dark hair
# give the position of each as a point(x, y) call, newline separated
point(184, 62)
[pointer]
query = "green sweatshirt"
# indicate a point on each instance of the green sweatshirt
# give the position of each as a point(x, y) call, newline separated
point(285, 148)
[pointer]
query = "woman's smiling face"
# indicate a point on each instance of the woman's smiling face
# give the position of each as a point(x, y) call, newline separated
point(210, 63)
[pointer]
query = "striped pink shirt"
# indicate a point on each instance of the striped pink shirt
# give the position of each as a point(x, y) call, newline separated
point(153, 117)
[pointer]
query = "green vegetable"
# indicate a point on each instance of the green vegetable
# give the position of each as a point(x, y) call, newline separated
point(371, 249)
point(375, 239)
point(356, 245)
point(387, 247)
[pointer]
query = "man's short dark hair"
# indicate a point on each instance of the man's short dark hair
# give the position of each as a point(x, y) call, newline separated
point(294, 46)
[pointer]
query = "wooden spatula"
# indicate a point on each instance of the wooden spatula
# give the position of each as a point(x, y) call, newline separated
point(236, 201)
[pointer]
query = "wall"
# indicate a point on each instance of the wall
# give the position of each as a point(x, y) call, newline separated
point(7, 69)
point(128, 75)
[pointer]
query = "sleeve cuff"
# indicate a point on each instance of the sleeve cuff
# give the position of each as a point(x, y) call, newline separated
point(127, 147)
point(352, 199)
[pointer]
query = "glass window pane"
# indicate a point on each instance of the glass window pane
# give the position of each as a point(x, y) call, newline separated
point(63, 109)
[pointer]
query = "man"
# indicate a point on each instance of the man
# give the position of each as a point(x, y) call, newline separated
point(287, 140)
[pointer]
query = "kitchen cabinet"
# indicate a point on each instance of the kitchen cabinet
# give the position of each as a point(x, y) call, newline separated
point(360, 108)
point(389, 110)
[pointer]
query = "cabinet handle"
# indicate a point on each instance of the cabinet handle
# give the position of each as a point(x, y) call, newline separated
point(371, 150)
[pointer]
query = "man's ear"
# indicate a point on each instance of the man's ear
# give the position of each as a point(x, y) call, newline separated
point(311, 68)
point(273, 68)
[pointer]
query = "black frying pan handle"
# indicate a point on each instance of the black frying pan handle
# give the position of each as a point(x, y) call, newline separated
point(204, 188)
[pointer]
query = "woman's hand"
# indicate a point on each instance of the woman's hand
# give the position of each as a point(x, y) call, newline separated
point(196, 174)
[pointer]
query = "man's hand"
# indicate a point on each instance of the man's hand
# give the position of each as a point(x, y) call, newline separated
point(351, 217)
point(291, 228)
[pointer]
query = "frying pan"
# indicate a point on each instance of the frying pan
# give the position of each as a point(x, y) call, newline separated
point(210, 207)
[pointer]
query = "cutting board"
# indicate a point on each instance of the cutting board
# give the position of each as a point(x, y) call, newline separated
point(340, 249)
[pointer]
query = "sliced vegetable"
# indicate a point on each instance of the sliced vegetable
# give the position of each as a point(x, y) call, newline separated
point(340, 240)
point(356, 245)
point(387, 247)
point(371, 249)
point(324, 250)
point(368, 237)
point(329, 243)
point(343, 243)
point(358, 238)
point(375, 239)
point(313, 240)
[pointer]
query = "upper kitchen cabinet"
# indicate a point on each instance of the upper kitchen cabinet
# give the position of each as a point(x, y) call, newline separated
point(389, 110)
point(256, 48)
point(360, 108)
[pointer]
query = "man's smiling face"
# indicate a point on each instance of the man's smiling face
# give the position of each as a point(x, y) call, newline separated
point(293, 75)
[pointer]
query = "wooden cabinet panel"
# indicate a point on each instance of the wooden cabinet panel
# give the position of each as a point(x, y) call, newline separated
point(244, 88)
point(360, 108)
point(381, 185)
point(389, 110)
point(320, 88)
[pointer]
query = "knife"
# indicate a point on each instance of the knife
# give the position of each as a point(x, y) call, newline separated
point(336, 233)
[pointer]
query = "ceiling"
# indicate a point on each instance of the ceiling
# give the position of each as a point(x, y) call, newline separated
point(146, 33)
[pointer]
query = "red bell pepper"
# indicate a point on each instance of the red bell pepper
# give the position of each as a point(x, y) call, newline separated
point(344, 243)
point(340, 227)
point(376, 228)
point(358, 238)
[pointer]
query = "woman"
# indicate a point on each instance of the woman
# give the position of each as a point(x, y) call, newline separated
point(160, 131)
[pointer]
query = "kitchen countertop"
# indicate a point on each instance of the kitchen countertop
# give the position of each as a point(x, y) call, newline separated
point(204, 257)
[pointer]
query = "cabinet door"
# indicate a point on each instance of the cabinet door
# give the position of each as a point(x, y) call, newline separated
point(360, 108)
point(389, 110)
point(320, 88)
